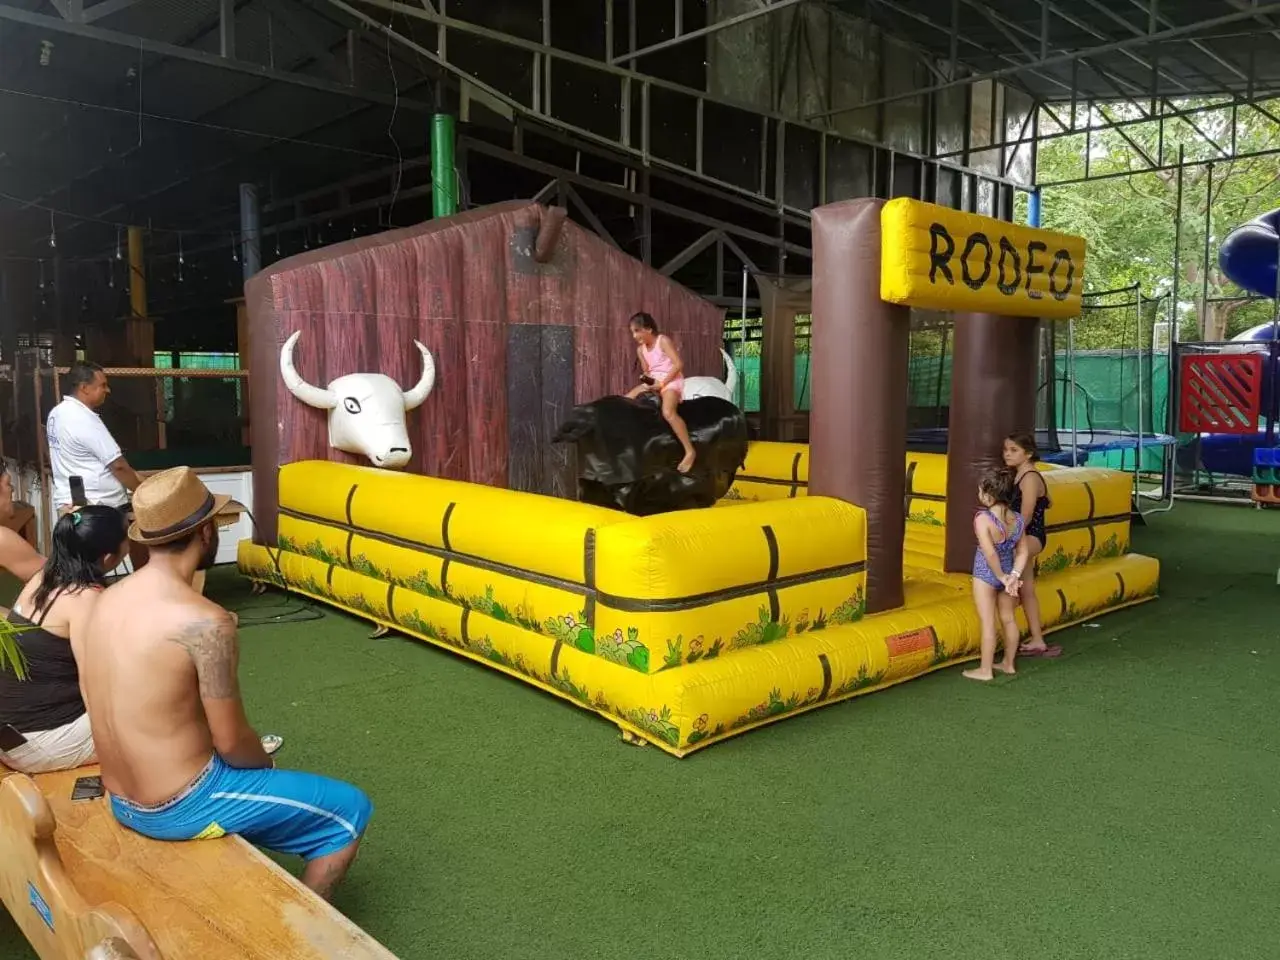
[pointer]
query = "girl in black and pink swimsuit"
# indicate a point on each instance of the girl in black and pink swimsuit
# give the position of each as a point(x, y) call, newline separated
point(1031, 500)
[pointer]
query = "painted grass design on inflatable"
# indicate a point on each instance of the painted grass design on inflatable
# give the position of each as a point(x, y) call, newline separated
point(1087, 521)
point(682, 628)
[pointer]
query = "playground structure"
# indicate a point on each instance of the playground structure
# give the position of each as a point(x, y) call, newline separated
point(1231, 391)
point(686, 628)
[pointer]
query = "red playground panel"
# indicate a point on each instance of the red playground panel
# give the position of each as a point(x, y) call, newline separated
point(1220, 394)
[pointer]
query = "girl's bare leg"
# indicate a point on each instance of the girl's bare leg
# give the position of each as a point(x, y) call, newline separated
point(1009, 623)
point(637, 392)
point(985, 599)
point(1030, 602)
point(670, 400)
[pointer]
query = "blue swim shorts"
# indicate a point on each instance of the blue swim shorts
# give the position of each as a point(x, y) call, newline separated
point(282, 810)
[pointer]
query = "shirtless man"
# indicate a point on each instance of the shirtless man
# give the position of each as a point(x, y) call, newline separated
point(179, 758)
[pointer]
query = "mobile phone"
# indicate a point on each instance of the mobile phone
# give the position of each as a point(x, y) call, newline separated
point(10, 738)
point(77, 491)
point(647, 379)
point(87, 788)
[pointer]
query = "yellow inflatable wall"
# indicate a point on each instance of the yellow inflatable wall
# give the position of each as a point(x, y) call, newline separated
point(1088, 517)
point(682, 628)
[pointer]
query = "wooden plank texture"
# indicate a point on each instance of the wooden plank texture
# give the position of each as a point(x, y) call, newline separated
point(209, 898)
point(559, 460)
point(524, 403)
point(39, 893)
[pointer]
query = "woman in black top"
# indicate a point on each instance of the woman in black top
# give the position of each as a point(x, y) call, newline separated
point(43, 723)
point(1031, 499)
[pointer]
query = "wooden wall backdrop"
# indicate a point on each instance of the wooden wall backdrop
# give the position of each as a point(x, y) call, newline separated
point(517, 340)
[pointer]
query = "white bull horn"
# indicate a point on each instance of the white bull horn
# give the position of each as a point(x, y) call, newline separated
point(413, 398)
point(308, 394)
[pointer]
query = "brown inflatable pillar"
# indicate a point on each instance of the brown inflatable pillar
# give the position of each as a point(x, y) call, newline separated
point(993, 394)
point(858, 357)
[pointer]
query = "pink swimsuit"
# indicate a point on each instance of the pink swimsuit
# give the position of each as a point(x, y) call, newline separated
point(660, 366)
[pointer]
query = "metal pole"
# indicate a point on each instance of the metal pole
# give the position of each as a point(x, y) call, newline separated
point(1137, 454)
point(444, 179)
point(1071, 381)
point(1171, 392)
point(742, 348)
point(1204, 260)
point(250, 231)
point(1167, 453)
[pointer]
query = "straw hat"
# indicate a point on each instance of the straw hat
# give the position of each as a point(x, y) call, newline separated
point(169, 505)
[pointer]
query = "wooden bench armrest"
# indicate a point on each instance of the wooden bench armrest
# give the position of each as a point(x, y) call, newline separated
point(198, 899)
point(42, 897)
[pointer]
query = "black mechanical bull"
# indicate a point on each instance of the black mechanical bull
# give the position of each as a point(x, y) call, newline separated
point(627, 453)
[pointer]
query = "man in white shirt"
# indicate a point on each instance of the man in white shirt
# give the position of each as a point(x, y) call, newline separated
point(80, 445)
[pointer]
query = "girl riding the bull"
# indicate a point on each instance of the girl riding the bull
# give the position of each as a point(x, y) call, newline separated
point(662, 374)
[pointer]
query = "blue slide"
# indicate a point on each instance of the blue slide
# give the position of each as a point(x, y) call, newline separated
point(1250, 257)
point(1251, 253)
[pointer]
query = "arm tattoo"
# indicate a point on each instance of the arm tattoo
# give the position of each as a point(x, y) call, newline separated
point(211, 643)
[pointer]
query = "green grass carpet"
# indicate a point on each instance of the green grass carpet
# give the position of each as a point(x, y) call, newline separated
point(1120, 802)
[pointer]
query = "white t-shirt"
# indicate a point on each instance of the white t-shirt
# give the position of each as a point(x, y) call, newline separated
point(80, 445)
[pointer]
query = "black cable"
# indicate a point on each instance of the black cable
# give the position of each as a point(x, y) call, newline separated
point(303, 610)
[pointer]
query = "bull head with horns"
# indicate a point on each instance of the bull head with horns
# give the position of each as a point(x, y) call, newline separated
point(366, 410)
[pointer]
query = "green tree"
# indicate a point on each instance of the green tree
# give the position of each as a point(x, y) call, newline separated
point(1130, 221)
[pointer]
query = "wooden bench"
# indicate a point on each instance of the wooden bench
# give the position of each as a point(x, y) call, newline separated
point(95, 881)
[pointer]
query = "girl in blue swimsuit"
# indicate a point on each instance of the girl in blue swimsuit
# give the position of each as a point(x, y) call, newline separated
point(1031, 500)
point(999, 529)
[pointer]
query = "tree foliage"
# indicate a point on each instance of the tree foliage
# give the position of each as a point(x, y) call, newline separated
point(1130, 221)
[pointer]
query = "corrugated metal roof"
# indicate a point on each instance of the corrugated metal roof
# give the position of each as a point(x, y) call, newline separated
point(1242, 56)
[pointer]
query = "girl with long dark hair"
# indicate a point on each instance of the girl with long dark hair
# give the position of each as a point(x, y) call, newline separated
point(43, 722)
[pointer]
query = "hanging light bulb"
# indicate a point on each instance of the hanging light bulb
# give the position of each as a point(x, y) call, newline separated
point(53, 233)
point(119, 256)
point(277, 244)
point(111, 275)
point(181, 258)
point(235, 254)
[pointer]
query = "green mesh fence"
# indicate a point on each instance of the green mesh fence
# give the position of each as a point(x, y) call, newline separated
point(1121, 383)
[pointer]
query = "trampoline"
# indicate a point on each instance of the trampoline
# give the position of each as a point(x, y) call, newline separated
point(1089, 444)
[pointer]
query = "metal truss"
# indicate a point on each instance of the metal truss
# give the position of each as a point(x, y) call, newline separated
point(537, 107)
point(346, 86)
point(1162, 37)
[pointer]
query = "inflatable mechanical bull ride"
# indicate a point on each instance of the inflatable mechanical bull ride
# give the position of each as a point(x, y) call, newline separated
point(627, 453)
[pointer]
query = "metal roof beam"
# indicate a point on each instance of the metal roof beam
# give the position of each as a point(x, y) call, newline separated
point(105, 8)
point(956, 38)
point(1084, 27)
point(525, 110)
point(1174, 114)
point(1113, 47)
point(765, 9)
point(1162, 19)
point(296, 22)
point(1166, 168)
point(208, 59)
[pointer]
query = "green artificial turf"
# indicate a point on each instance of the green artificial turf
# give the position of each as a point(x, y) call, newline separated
point(1120, 802)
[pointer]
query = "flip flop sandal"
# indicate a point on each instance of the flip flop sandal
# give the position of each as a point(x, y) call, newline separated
point(271, 743)
point(1048, 653)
